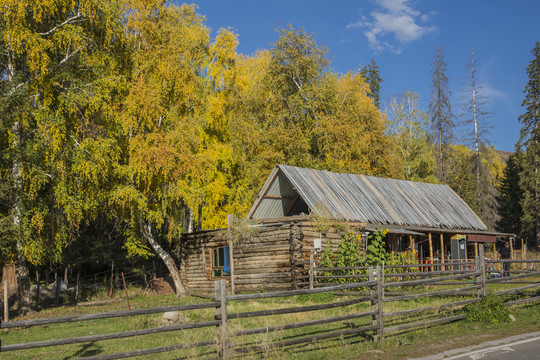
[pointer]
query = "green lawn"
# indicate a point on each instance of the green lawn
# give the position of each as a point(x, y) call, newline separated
point(396, 345)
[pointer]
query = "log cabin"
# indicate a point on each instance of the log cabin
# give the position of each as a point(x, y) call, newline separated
point(300, 211)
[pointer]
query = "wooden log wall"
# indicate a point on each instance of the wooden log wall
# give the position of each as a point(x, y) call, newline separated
point(262, 258)
point(329, 238)
point(271, 257)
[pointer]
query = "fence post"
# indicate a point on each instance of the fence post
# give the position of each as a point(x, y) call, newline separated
point(482, 255)
point(112, 278)
point(220, 295)
point(380, 277)
point(479, 265)
point(125, 288)
point(6, 301)
point(311, 266)
point(57, 292)
point(77, 288)
point(372, 295)
point(38, 285)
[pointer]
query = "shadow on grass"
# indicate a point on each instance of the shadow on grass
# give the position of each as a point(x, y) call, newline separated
point(88, 349)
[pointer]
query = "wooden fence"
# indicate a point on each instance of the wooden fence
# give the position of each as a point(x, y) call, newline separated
point(374, 286)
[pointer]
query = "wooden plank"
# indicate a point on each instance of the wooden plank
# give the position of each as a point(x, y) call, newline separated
point(301, 324)
point(507, 279)
point(110, 336)
point(515, 290)
point(428, 281)
point(425, 323)
point(299, 292)
point(298, 309)
point(277, 270)
point(150, 351)
point(462, 291)
point(431, 308)
point(305, 339)
point(523, 301)
point(105, 315)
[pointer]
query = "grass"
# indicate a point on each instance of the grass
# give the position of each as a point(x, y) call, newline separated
point(395, 345)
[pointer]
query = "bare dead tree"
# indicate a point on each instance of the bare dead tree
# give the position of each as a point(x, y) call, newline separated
point(475, 133)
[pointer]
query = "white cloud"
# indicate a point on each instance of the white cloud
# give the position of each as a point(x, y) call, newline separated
point(395, 18)
point(492, 93)
point(353, 25)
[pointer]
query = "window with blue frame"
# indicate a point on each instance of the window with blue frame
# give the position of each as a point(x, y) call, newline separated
point(221, 266)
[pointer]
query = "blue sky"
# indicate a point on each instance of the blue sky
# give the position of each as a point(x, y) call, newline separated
point(402, 36)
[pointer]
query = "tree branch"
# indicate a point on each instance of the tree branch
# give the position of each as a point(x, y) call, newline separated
point(69, 20)
point(68, 56)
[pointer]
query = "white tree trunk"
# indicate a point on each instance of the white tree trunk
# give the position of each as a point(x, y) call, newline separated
point(146, 230)
point(21, 269)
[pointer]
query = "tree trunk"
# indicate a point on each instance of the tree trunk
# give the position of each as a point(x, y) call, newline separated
point(21, 270)
point(23, 285)
point(146, 230)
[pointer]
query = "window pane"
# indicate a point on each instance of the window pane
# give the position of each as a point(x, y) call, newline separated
point(221, 257)
point(214, 258)
point(221, 262)
point(226, 260)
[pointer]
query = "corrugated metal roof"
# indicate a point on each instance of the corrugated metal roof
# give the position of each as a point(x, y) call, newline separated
point(359, 198)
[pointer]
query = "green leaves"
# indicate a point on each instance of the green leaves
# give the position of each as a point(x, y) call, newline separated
point(408, 125)
point(376, 251)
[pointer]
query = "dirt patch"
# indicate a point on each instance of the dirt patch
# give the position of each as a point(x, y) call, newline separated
point(162, 286)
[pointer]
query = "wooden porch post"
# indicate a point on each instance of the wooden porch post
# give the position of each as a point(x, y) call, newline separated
point(495, 255)
point(430, 249)
point(475, 249)
point(442, 251)
point(511, 246)
point(464, 267)
point(522, 250)
point(231, 264)
point(230, 219)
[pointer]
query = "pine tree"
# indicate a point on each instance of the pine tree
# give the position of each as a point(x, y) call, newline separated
point(530, 139)
point(440, 110)
point(373, 78)
point(510, 197)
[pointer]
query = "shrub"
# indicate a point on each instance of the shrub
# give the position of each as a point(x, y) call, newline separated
point(490, 309)
point(376, 251)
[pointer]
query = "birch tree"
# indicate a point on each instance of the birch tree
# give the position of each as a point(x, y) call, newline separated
point(408, 127)
point(55, 55)
point(160, 167)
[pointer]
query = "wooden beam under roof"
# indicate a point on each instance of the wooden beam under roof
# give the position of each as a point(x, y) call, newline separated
point(279, 197)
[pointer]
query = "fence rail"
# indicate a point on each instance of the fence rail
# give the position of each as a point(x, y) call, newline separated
point(375, 292)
